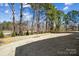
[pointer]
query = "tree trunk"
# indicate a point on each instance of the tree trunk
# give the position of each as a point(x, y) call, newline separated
point(37, 20)
point(32, 27)
point(21, 16)
point(46, 25)
point(13, 17)
point(78, 27)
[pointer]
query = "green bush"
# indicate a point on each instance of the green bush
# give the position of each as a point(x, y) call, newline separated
point(14, 34)
point(1, 34)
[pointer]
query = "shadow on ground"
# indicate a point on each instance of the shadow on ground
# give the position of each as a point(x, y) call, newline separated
point(59, 46)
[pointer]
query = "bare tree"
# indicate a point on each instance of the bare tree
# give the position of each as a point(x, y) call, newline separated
point(36, 7)
point(21, 18)
point(13, 17)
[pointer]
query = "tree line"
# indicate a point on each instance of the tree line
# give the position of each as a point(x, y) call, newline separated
point(55, 20)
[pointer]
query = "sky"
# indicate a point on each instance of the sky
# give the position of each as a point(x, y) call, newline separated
point(66, 7)
point(6, 13)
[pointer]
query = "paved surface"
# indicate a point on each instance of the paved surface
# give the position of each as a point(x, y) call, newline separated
point(63, 45)
point(9, 49)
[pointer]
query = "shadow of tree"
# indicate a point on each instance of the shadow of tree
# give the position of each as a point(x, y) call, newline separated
point(59, 46)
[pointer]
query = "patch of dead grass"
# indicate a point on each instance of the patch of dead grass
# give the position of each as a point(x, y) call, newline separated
point(6, 40)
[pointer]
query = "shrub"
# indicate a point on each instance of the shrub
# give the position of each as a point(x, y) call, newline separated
point(27, 33)
point(14, 34)
point(1, 34)
point(21, 33)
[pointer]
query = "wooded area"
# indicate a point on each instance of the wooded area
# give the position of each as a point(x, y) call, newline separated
point(54, 20)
